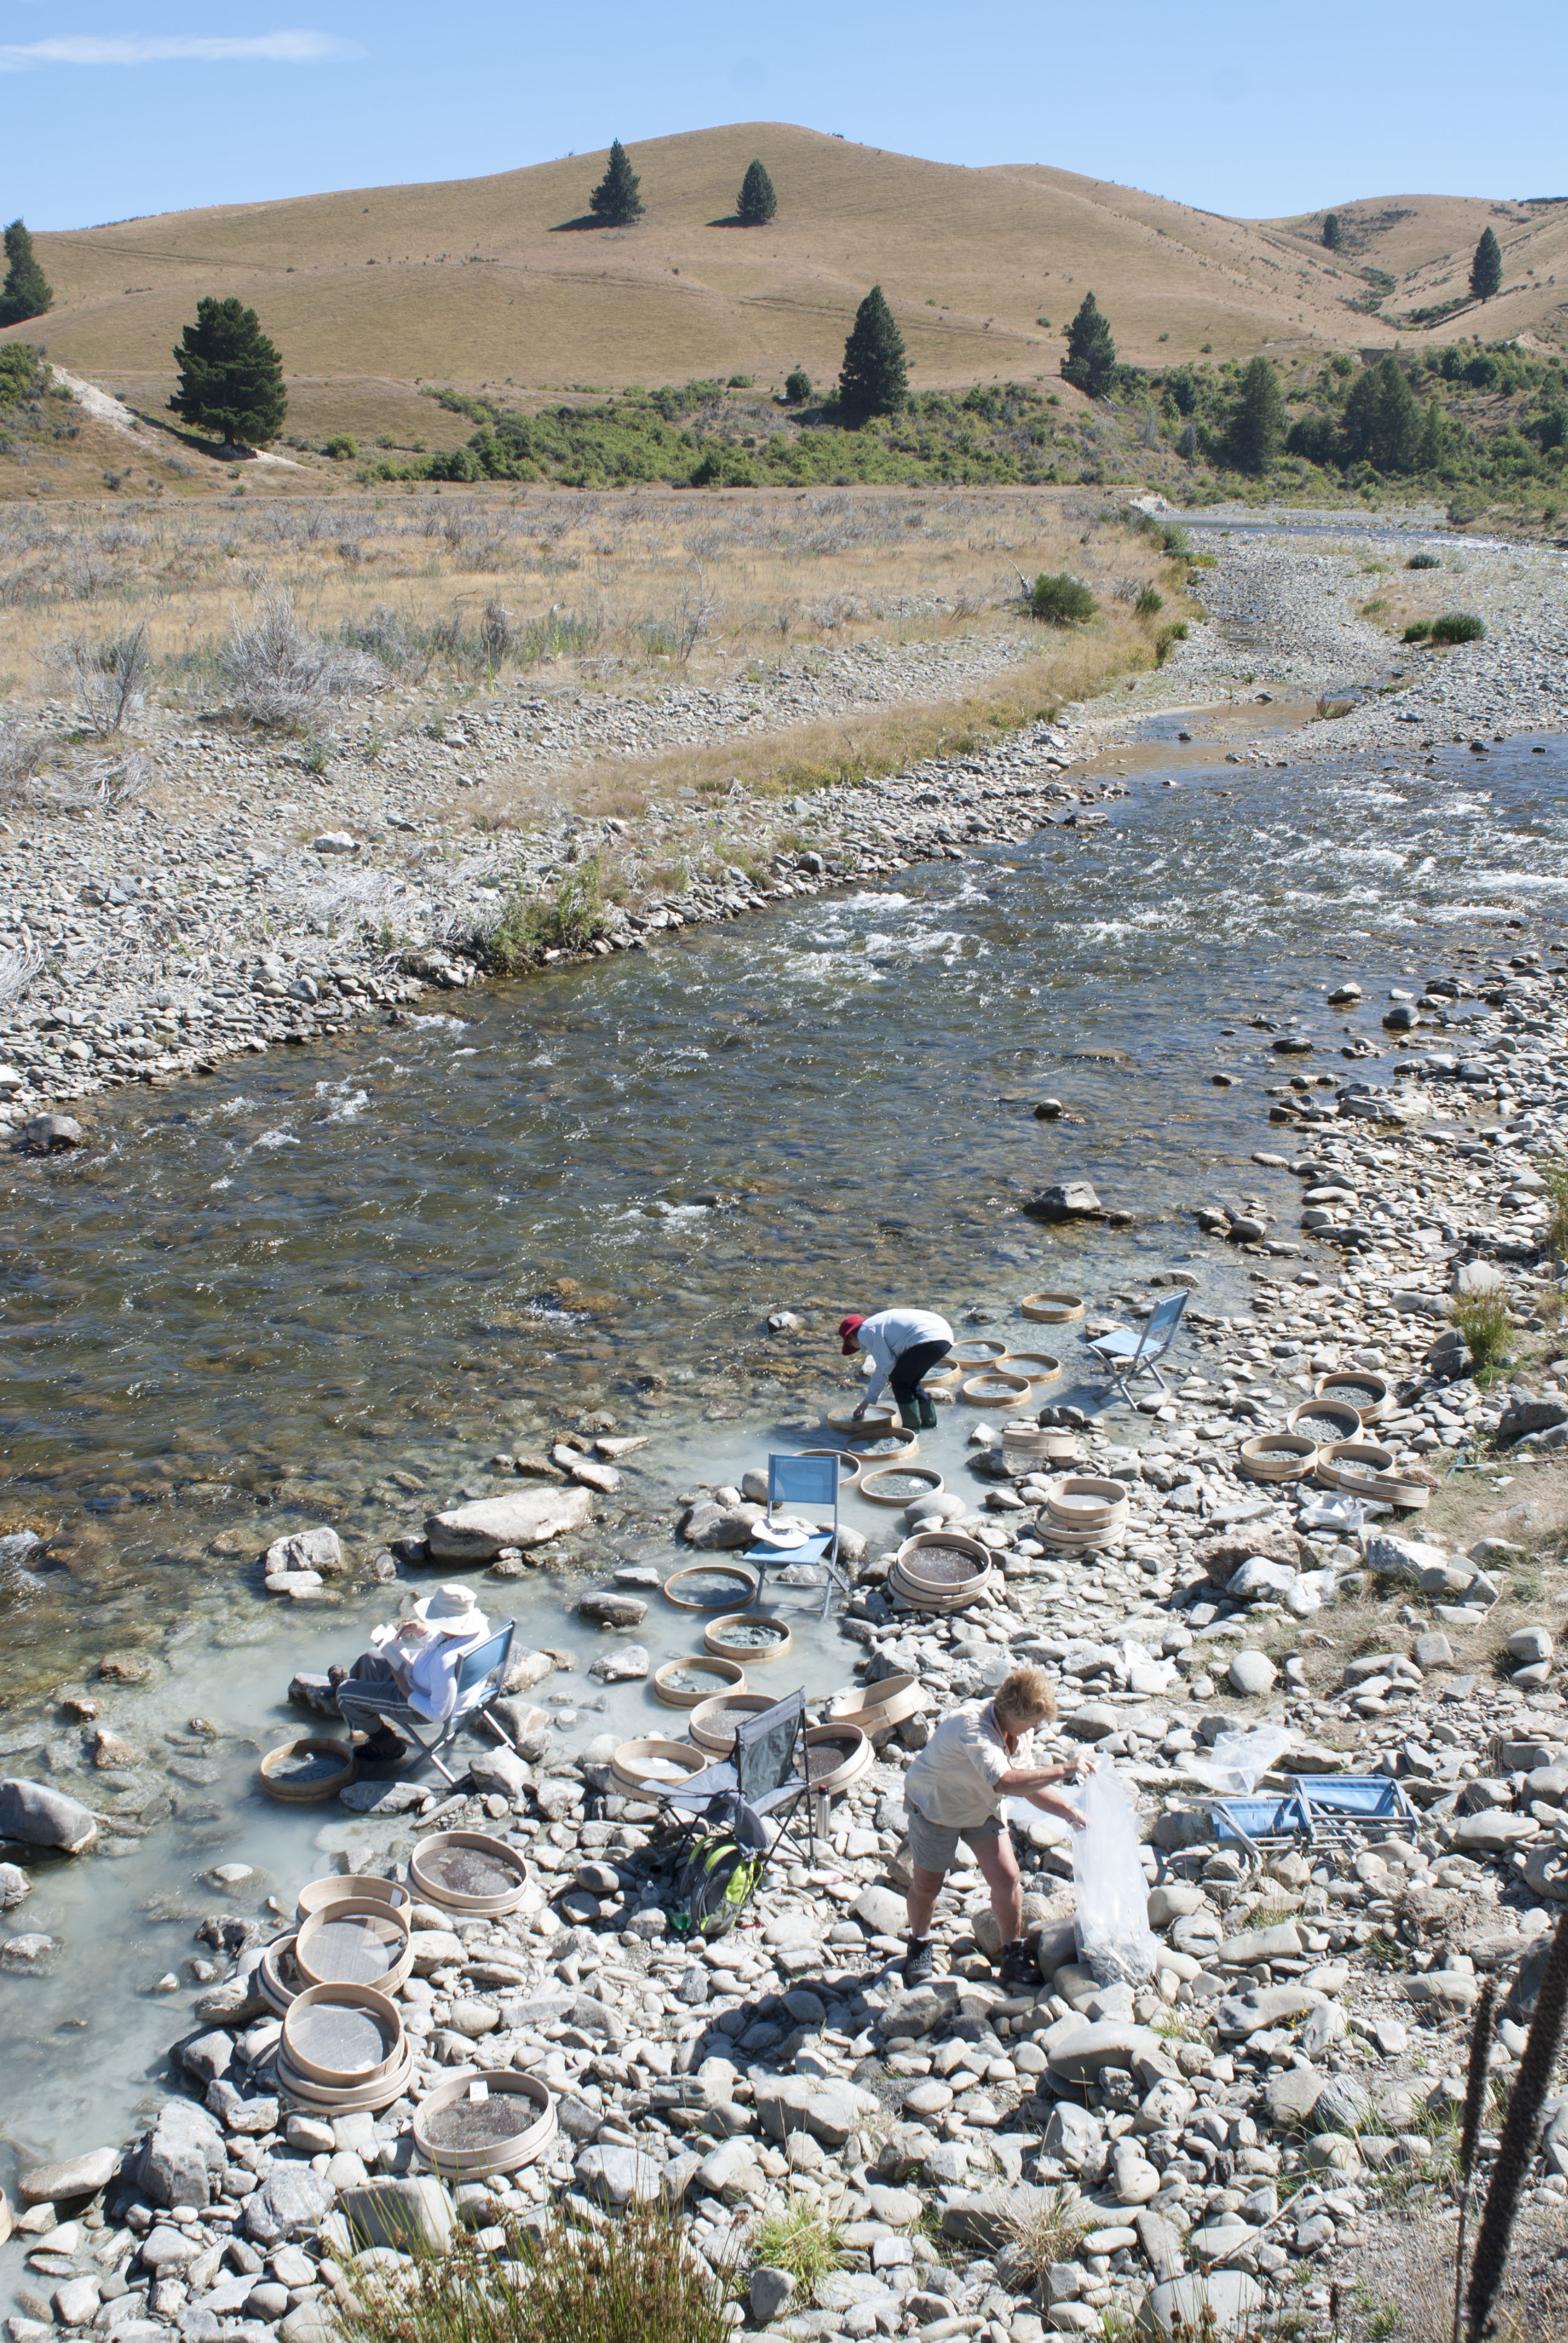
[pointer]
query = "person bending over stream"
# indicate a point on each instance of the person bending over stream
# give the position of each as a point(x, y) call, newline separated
point(978, 1756)
point(906, 1345)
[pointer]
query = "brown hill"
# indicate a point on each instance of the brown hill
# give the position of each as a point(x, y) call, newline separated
point(487, 282)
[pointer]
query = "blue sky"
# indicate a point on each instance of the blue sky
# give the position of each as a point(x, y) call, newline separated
point(114, 108)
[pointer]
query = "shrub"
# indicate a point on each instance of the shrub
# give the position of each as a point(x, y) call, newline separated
point(567, 920)
point(108, 680)
point(1458, 627)
point(1424, 561)
point(342, 447)
point(1150, 603)
point(739, 382)
point(797, 387)
point(1483, 1319)
point(1061, 601)
point(280, 675)
point(1418, 631)
point(1554, 1169)
point(803, 2241)
point(633, 2282)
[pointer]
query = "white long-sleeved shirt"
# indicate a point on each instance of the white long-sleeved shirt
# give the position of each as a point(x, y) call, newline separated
point(891, 1332)
point(427, 1673)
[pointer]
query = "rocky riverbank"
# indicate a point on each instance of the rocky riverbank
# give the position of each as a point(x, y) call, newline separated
point(230, 894)
point(1264, 2099)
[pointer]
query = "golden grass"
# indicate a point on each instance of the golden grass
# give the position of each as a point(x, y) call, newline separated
point(474, 281)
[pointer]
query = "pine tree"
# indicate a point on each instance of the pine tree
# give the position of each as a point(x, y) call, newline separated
point(1383, 425)
point(756, 203)
point(231, 377)
point(615, 200)
point(1091, 361)
point(1434, 436)
point(874, 379)
point(1486, 268)
point(1258, 426)
point(1333, 234)
point(26, 292)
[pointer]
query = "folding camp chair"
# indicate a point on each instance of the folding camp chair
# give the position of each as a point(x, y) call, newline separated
point(1324, 1809)
point(802, 1481)
point(1124, 1354)
point(481, 1675)
point(766, 1769)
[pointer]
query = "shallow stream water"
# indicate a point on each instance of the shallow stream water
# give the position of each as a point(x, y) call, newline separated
point(254, 1301)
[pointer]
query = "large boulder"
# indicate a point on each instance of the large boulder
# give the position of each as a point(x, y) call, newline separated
point(39, 1816)
point(81, 2175)
point(182, 2156)
point(319, 1549)
point(479, 1532)
point(1222, 1557)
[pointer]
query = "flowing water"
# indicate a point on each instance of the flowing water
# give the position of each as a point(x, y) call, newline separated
point(329, 1284)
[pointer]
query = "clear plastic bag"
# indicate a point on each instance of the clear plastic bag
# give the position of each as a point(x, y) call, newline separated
point(1238, 1761)
point(1115, 1943)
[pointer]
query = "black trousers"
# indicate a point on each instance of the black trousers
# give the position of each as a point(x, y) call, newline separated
point(910, 1366)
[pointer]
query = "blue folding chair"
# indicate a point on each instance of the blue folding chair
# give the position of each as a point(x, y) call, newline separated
point(1124, 1354)
point(1324, 1809)
point(802, 1481)
point(480, 1676)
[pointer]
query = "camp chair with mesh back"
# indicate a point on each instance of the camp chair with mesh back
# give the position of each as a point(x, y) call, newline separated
point(1324, 1809)
point(480, 1676)
point(802, 1481)
point(1124, 1354)
point(766, 1769)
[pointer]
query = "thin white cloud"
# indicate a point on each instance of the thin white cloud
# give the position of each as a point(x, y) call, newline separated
point(266, 48)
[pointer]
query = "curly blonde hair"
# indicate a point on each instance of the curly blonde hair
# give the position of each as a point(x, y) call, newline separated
point(1025, 1699)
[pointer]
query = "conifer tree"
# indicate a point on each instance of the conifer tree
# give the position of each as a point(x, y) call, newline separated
point(1333, 234)
point(1091, 361)
point(26, 292)
point(615, 200)
point(874, 379)
point(1258, 426)
point(231, 377)
point(1382, 421)
point(1486, 268)
point(1434, 436)
point(756, 203)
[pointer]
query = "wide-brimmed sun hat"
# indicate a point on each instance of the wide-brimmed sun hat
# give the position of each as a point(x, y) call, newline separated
point(451, 1611)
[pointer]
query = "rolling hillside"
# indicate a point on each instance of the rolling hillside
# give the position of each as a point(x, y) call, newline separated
point(486, 283)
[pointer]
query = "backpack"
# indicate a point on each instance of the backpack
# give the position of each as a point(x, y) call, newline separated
point(714, 1885)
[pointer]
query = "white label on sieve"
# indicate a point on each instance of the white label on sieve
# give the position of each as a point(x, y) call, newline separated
point(478, 2091)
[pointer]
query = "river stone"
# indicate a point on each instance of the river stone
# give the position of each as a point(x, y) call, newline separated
point(76, 2301)
point(404, 2212)
point(434, 1948)
point(499, 1770)
point(79, 2176)
point(771, 2289)
point(181, 2156)
point(608, 1610)
point(297, 2199)
point(1342, 2106)
point(167, 2248)
point(1077, 2051)
point(1243, 2014)
point(1223, 2302)
point(1255, 1946)
point(479, 1532)
point(319, 1549)
point(46, 1132)
point(39, 1816)
point(1251, 1673)
point(15, 1886)
point(620, 2176)
point(1491, 1833)
point(628, 1664)
point(880, 1911)
point(1066, 1200)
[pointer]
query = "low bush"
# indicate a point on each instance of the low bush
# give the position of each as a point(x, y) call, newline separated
point(566, 919)
point(1150, 603)
point(279, 675)
point(341, 447)
point(1483, 1319)
point(633, 2282)
point(797, 387)
point(1458, 627)
point(1061, 601)
point(1424, 561)
point(108, 680)
point(1418, 631)
point(803, 2241)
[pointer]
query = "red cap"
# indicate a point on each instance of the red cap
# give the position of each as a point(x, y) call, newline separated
point(847, 1329)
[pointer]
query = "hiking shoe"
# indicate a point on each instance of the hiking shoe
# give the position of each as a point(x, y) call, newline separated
point(919, 1961)
point(1018, 1966)
point(383, 1746)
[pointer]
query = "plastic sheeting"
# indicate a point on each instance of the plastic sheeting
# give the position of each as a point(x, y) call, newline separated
point(1115, 1943)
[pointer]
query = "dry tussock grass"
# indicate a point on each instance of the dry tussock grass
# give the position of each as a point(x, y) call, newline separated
point(610, 592)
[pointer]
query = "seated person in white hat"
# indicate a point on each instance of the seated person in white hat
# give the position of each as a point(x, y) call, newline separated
point(420, 1655)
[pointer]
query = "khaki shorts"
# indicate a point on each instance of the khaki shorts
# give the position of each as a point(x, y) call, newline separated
point(933, 1846)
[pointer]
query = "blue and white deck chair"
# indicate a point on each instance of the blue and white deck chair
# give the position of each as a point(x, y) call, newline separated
point(365, 1704)
point(1123, 1354)
point(1321, 1809)
point(802, 1481)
